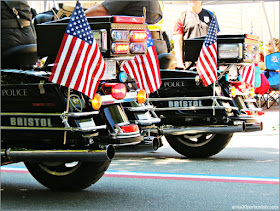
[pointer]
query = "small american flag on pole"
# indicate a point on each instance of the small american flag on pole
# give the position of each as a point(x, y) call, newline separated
point(207, 61)
point(79, 64)
point(248, 74)
point(145, 68)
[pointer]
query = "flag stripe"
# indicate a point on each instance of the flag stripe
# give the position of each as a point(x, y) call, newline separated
point(80, 73)
point(74, 68)
point(64, 62)
point(86, 85)
point(76, 80)
point(59, 64)
point(58, 56)
point(86, 69)
point(248, 74)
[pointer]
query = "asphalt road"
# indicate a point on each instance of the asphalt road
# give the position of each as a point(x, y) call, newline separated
point(244, 176)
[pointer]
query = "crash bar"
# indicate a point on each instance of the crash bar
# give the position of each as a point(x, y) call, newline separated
point(70, 114)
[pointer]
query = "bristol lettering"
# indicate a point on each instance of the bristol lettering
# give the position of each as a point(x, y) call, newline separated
point(185, 103)
point(14, 92)
point(30, 122)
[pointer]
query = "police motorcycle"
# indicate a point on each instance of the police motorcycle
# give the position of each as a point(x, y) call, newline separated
point(200, 121)
point(69, 150)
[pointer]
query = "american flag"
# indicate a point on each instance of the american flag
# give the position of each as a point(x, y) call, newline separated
point(79, 64)
point(207, 61)
point(145, 68)
point(248, 74)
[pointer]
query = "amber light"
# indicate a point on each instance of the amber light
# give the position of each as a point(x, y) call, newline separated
point(252, 92)
point(233, 91)
point(130, 128)
point(138, 36)
point(141, 96)
point(120, 47)
point(96, 102)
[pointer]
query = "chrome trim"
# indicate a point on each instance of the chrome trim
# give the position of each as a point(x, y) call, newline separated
point(189, 78)
point(192, 98)
point(108, 99)
point(196, 108)
point(130, 135)
point(60, 155)
point(181, 71)
point(249, 100)
point(142, 108)
point(71, 114)
point(73, 129)
point(148, 121)
point(202, 129)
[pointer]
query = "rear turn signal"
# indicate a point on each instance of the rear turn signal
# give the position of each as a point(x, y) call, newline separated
point(96, 102)
point(252, 92)
point(233, 92)
point(141, 96)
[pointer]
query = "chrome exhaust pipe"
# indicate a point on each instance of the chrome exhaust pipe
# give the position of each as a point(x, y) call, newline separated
point(149, 144)
point(60, 155)
point(257, 126)
point(239, 126)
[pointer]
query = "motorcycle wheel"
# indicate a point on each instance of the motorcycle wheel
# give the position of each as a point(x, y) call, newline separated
point(67, 176)
point(199, 146)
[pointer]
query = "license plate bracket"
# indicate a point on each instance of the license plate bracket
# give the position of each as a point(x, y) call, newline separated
point(110, 70)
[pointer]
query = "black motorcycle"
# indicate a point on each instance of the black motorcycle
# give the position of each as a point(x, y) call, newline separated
point(200, 121)
point(67, 149)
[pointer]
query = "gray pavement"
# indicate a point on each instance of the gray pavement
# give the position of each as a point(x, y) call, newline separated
point(254, 155)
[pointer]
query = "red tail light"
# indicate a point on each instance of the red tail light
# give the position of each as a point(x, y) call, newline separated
point(118, 91)
point(249, 112)
point(138, 36)
point(130, 128)
point(242, 87)
point(128, 19)
point(260, 113)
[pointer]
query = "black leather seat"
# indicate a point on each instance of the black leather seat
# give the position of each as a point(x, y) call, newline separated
point(19, 57)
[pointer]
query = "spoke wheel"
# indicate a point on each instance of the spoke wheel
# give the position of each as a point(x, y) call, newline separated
point(200, 145)
point(68, 176)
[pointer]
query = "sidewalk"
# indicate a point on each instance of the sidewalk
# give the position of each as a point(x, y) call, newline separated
point(270, 119)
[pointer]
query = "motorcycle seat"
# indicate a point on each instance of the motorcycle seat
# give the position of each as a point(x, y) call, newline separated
point(19, 57)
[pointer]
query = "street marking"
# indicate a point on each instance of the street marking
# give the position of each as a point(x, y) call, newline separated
point(173, 176)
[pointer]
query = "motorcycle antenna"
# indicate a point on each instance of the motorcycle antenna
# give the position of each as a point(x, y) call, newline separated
point(144, 12)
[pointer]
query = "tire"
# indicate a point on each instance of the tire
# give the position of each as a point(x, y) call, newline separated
point(68, 176)
point(199, 146)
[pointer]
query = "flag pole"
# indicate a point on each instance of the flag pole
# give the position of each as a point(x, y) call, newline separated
point(67, 110)
point(213, 104)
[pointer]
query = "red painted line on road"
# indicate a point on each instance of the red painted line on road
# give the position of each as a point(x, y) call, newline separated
point(15, 171)
point(194, 179)
point(186, 178)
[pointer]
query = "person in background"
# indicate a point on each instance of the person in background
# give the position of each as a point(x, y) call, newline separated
point(270, 48)
point(130, 8)
point(16, 28)
point(194, 22)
